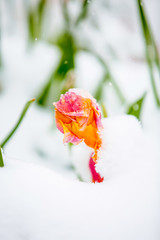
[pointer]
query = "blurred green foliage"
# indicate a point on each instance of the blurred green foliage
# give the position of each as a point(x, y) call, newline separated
point(152, 55)
point(57, 81)
point(84, 11)
point(35, 20)
point(135, 108)
point(62, 78)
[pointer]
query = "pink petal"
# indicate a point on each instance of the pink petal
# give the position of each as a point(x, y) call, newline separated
point(96, 177)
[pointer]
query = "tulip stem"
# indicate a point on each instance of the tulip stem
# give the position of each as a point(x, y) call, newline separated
point(27, 105)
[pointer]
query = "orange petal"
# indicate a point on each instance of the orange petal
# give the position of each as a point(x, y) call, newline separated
point(82, 122)
point(69, 136)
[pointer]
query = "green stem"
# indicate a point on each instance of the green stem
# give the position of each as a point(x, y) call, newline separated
point(1, 158)
point(27, 105)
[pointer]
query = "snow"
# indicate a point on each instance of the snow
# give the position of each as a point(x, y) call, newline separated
point(123, 147)
point(80, 156)
point(38, 203)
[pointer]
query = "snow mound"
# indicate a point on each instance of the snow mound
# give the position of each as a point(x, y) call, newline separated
point(123, 146)
point(124, 149)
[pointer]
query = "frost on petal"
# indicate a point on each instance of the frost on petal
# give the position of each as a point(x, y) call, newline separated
point(78, 116)
point(71, 104)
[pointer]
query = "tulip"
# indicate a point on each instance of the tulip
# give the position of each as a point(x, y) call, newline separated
point(78, 117)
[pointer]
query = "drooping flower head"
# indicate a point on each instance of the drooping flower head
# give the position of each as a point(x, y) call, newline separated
point(78, 117)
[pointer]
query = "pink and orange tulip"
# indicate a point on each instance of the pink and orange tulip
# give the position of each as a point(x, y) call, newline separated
point(78, 117)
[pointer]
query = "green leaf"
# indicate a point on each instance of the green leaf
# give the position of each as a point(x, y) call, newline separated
point(152, 56)
point(43, 96)
point(35, 20)
point(26, 107)
point(66, 13)
point(1, 158)
point(136, 108)
point(84, 11)
point(31, 25)
point(104, 110)
point(40, 12)
point(52, 89)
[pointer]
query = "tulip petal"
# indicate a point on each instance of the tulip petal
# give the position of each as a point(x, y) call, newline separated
point(98, 121)
point(82, 122)
point(96, 177)
point(60, 118)
point(69, 136)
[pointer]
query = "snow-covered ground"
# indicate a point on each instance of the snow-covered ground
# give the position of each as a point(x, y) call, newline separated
point(41, 196)
point(39, 203)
